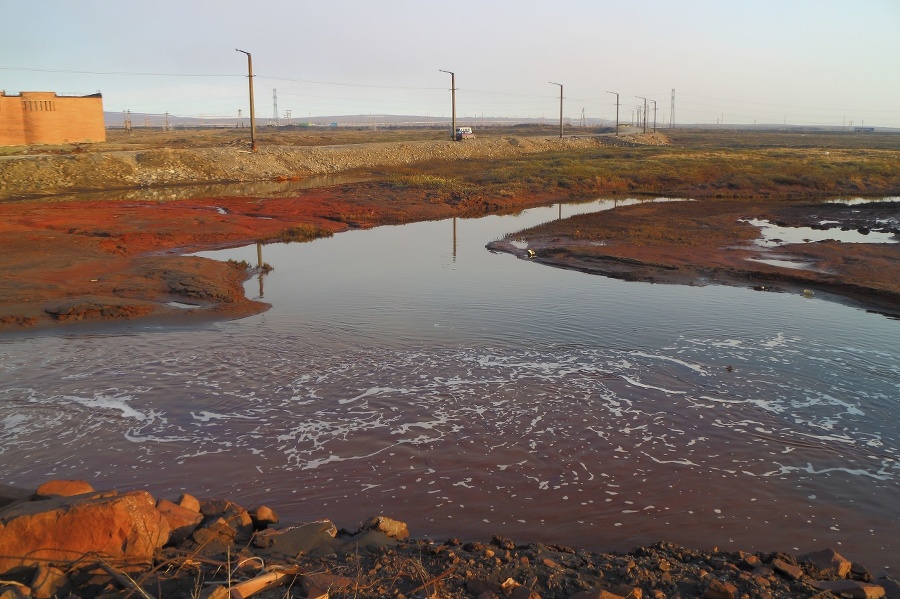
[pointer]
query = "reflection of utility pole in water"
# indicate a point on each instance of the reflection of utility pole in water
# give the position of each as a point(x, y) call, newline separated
point(259, 266)
point(560, 211)
point(454, 239)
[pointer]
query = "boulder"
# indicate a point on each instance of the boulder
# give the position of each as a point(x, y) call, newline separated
point(10, 494)
point(789, 570)
point(390, 527)
point(63, 488)
point(829, 562)
point(310, 538)
point(49, 582)
point(214, 537)
point(850, 588)
point(263, 516)
point(182, 521)
point(236, 516)
point(11, 590)
point(720, 590)
point(189, 502)
point(124, 528)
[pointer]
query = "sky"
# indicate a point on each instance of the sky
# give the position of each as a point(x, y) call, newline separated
point(803, 62)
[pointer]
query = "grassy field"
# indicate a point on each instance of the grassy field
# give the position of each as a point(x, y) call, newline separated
point(695, 164)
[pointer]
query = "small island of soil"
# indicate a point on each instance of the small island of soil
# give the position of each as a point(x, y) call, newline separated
point(714, 242)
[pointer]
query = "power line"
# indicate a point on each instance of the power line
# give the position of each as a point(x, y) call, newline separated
point(347, 84)
point(118, 72)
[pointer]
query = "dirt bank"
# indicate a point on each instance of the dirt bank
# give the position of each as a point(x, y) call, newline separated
point(713, 242)
point(30, 175)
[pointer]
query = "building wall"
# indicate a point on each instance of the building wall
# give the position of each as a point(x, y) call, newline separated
point(44, 118)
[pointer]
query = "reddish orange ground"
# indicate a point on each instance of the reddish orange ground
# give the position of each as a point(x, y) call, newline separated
point(706, 242)
point(82, 260)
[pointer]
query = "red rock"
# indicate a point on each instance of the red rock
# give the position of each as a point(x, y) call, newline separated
point(720, 590)
point(189, 502)
point(752, 561)
point(182, 521)
point(63, 488)
point(14, 591)
point(850, 588)
point(394, 529)
point(214, 537)
point(787, 569)
point(626, 590)
point(236, 516)
point(891, 587)
point(551, 564)
point(48, 582)
point(124, 528)
point(829, 562)
point(263, 516)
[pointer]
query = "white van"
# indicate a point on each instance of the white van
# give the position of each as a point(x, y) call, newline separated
point(464, 133)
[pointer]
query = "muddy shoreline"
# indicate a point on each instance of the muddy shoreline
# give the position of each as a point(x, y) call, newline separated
point(712, 243)
point(214, 548)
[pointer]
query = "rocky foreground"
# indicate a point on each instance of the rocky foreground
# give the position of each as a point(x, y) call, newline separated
point(67, 540)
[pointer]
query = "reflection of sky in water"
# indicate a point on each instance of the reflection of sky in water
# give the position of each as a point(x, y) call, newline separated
point(398, 371)
point(774, 235)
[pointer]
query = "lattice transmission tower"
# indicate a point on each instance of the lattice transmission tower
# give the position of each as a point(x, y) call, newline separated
point(672, 111)
point(275, 105)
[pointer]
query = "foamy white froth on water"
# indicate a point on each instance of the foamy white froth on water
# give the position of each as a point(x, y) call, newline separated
point(564, 436)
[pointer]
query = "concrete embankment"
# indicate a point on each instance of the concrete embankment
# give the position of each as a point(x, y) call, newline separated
point(22, 176)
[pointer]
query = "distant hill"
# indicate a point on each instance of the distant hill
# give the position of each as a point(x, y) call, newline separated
point(116, 120)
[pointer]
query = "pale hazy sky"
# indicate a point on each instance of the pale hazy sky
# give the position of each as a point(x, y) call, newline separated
point(817, 62)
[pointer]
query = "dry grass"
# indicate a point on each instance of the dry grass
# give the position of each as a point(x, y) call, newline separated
point(699, 168)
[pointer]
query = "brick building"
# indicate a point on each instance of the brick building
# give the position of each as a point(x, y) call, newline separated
point(31, 118)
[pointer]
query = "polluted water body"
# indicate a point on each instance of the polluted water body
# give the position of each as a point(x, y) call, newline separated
point(406, 370)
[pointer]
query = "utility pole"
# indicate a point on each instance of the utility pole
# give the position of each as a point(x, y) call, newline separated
point(654, 115)
point(617, 112)
point(672, 111)
point(452, 102)
point(252, 110)
point(166, 126)
point(560, 107)
point(645, 111)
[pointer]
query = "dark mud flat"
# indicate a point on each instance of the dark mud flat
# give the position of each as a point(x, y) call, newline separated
point(863, 216)
point(713, 242)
